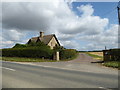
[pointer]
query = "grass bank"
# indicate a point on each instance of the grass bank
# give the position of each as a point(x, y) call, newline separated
point(114, 64)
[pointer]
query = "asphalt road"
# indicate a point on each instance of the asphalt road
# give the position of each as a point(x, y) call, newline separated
point(15, 75)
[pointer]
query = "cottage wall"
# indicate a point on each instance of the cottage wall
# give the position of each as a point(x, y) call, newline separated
point(52, 43)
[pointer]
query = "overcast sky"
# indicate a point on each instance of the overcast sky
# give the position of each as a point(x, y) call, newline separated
point(77, 25)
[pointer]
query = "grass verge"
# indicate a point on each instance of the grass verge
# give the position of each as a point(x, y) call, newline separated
point(114, 64)
point(21, 59)
point(94, 56)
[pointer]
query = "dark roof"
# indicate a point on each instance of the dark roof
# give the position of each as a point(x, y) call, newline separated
point(45, 39)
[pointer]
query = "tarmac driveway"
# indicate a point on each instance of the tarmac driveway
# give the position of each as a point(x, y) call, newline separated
point(84, 58)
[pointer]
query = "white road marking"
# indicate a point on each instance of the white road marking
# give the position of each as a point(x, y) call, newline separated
point(9, 68)
point(100, 87)
point(104, 88)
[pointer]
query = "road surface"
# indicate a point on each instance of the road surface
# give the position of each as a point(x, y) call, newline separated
point(34, 75)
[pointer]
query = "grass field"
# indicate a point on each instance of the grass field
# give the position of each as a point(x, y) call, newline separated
point(96, 55)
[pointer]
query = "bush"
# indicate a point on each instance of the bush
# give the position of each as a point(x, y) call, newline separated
point(38, 50)
point(68, 54)
point(34, 52)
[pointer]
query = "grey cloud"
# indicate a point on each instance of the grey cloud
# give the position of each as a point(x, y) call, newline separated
point(24, 16)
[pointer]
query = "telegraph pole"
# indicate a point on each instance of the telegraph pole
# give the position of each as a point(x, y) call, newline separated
point(118, 15)
point(105, 48)
point(118, 8)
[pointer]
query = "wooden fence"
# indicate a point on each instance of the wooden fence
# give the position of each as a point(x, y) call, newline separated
point(111, 55)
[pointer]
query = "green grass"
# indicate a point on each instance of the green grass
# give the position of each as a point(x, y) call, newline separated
point(114, 64)
point(94, 56)
point(19, 59)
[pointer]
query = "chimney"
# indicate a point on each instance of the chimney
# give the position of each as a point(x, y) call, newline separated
point(41, 34)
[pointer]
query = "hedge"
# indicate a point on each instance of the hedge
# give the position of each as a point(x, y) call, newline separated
point(34, 52)
point(68, 53)
point(38, 50)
